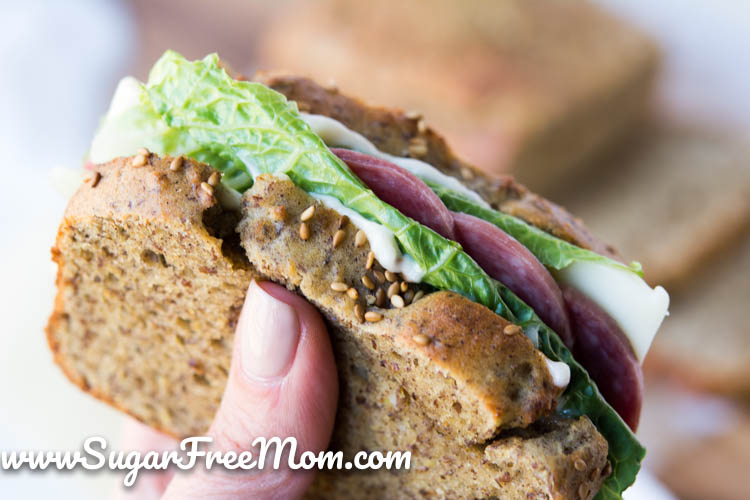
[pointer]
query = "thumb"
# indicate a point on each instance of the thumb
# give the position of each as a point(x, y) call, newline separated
point(282, 383)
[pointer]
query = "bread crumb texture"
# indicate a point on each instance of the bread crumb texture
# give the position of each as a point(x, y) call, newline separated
point(151, 280)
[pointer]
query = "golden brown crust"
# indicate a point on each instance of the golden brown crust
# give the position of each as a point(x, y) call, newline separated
point(396, 133)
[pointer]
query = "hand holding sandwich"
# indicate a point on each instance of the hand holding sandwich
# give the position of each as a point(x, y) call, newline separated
point(282, 383)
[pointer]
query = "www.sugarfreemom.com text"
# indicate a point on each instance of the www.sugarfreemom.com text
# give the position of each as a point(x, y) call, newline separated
point(93, 456)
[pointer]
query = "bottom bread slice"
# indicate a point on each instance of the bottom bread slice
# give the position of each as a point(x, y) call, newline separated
point(150, 283)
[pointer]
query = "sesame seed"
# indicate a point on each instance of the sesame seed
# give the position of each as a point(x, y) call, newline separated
point(421, 127)
point(417, 147)
point(360, 238)
point(417, 296)
point(176, 164)
point(370, 299)
point(207, 188)
point(512, 330)
point(392, 290)
point(307, 214)
point(409, 296)
point(339, 286)
point(380, 298)
point(379, 275)
point(214, 178)
point(368, 282)
point(359, 311)
point(95, 180)
point(391, 276)
point(421, 339)
point(467, 173)
point(373, 317)
point(343, 221)
point(304, 231)
point(397, 301)
point(144, 152)
point(138, 161)
point(353, 293)
point(338, 237)
point(404, 286)
point(579, 464)
point(370, 260)
point(413, 115)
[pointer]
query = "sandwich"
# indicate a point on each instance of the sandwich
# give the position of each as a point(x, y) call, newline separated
point(474, 323)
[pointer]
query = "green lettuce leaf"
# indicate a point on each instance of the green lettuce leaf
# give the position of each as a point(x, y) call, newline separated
point(550, 250)
point(244, 129)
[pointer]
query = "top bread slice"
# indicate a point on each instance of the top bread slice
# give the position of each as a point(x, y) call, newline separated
point(151, 277)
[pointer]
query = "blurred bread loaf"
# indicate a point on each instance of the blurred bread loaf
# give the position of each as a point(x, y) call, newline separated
point(706, 341)
point(673, 198)
point(528, 87)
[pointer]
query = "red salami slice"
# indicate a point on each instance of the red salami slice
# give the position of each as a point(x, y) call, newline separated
point(605, 352)
point(511, 263)
point(401, 189)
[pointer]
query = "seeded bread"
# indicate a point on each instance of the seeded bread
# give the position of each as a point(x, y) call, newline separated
point(408, 370)
point(150, 283)
point(529, 87)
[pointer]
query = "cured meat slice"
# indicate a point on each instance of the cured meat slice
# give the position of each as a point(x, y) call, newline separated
point(605, 352)
point(511, 263)
point(401, 189)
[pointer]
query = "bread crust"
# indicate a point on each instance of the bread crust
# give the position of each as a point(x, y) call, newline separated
point(394, 132)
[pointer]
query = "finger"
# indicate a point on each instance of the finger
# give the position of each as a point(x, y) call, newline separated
point(151, 483)
point(282, 383)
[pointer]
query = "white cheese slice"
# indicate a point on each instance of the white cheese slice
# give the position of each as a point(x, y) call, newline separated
point(636, 307)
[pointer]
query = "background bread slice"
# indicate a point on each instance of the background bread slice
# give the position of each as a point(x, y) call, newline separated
point(528, 87)
point(706, 340)
point(672, 199)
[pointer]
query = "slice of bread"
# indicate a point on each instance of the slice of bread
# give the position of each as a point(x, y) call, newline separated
point(148, 293)
point(530, 87)
point(672, 200)
point(706, 341)
point(150, 283)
